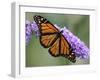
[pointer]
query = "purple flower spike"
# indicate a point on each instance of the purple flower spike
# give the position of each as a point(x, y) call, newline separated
point(80, 49)
point(30, 28)
point(28, 32)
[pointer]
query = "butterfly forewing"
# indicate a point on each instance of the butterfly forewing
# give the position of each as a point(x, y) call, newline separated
point(45, 26)
point(48, 28)
point(47, 40)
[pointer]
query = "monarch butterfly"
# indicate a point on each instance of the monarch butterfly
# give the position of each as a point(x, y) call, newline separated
point(52, 38)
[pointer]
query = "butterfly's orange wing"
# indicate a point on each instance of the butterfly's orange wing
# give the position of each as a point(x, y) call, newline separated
point(60, 47)
point(54, 49)
point(47, 30)
point(47, 40)
point(64, 46)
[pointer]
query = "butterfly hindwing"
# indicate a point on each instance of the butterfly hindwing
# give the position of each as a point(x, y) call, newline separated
point(54, 49)
point(60, 47)
point(65, 47)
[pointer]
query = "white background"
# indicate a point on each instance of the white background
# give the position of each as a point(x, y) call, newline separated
point(5, 41)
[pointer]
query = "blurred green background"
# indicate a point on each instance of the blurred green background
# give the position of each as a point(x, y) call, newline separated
point(36, 55)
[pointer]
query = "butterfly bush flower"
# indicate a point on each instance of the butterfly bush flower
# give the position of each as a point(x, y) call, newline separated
point(28, 31)
point(79, 48)
point(31, 28)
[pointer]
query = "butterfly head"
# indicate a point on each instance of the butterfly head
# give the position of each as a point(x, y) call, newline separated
point(39, 19)
point(72, 57)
